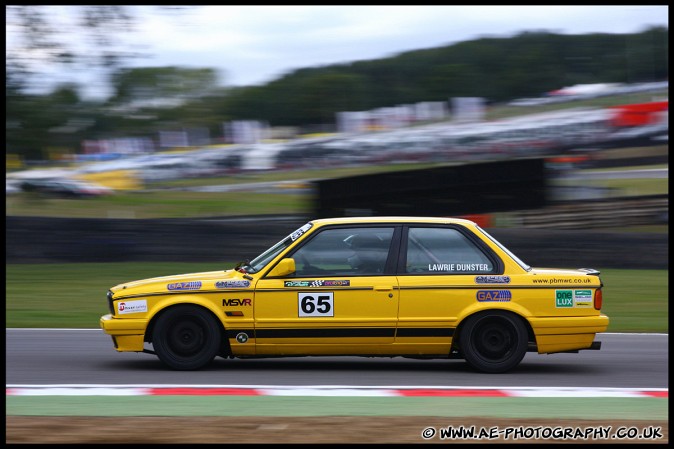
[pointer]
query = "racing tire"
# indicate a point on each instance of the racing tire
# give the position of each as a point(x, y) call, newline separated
point(494, 341)
point(186, 338)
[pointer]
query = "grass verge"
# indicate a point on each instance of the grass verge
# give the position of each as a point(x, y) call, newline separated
point(73, 295)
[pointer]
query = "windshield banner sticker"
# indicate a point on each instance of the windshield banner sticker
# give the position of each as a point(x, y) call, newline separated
point(297, 234)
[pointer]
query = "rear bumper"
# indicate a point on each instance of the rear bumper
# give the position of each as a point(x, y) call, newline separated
point(596, 346)
point(568, 334)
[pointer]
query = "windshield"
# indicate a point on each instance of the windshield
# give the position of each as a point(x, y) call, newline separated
point(504, 249)
point(263, 259)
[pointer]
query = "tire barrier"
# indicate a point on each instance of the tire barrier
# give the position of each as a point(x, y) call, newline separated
point(67, 240)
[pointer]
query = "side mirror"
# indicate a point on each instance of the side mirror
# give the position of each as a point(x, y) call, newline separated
point(283, 268)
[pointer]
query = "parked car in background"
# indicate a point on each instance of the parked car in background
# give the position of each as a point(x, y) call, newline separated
point(12, 186)
point(414, 287)
point(64, 188)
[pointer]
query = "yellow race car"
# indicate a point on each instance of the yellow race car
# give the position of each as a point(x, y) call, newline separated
point(420, 287)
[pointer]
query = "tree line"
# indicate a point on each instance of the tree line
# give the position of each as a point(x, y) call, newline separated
point(149, 100)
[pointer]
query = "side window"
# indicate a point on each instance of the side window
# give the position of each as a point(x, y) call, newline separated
point(340, 251)
point(444, 250)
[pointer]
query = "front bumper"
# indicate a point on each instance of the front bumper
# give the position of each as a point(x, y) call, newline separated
point(128, 334)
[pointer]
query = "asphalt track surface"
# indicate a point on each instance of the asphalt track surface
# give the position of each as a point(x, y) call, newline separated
point(87, 357)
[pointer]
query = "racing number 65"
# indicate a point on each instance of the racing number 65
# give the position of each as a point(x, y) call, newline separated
point(315, 304)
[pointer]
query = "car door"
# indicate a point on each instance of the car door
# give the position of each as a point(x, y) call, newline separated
point(342, 298)
point(437, 271)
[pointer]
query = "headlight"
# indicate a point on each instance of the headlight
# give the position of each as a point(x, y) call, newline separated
point(112, 310)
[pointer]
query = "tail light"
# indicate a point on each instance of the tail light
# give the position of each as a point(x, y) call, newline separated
point(598, 299)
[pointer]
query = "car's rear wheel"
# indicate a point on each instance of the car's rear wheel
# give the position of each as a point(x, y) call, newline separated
point(494, 341)
point(186, 337)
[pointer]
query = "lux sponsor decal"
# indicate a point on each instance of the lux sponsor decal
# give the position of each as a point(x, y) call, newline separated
point(573, 298)
point(563, 298)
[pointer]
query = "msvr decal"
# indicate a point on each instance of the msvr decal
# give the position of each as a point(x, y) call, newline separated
point(236, 302)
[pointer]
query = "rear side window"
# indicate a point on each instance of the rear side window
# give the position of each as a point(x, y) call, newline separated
point(444, 251)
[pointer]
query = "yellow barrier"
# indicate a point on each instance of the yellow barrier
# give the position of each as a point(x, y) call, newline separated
point(116, 179)
point(13, 161)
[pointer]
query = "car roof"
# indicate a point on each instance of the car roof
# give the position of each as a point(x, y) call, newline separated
point(391, 219)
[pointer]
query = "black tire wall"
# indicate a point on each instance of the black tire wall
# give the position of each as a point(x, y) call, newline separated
point(64, 240)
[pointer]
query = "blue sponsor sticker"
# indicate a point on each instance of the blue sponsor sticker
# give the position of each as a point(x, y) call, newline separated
point(232, 284)
point(491, 279)
point(192, 285)
point(494, 295)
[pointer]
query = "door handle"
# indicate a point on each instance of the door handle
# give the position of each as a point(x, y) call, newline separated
point(383, 288)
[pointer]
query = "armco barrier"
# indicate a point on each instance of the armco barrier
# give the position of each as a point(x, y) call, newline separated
point(46, 240)
point(63, 240)
point(605, 213)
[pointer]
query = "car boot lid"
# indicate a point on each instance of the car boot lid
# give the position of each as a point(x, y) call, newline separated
point(565, 272)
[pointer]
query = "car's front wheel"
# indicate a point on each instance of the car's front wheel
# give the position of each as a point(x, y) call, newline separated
point(186, 337)
point(494, 341)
